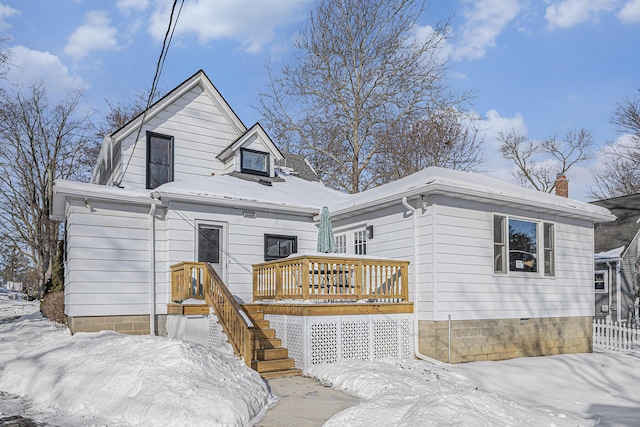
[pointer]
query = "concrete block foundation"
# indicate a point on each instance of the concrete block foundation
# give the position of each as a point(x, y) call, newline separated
point(500, 339)
point(132, 325)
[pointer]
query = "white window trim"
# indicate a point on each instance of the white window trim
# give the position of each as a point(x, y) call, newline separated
point(224, 234)
point(349, 234)
point(540, 246)
point(606, 282)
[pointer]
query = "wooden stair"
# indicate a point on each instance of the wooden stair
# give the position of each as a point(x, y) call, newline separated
point(270, 359)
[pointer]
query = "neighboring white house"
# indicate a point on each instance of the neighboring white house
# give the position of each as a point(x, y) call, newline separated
point(496, 270)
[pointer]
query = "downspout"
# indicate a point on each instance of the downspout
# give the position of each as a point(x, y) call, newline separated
point(416, 350)
point(618, 288)
point(152, 270)
point(609, 289)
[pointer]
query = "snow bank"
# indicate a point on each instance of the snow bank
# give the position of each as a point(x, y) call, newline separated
point(121, 379)
point(414, 393)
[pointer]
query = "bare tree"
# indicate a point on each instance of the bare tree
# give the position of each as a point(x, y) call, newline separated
point(539, 162)
point(5, 55)
point(360, 69)
point(442, 139)
point(118, 114)
point(39, 142)
point(621, 172)
point(122, 112)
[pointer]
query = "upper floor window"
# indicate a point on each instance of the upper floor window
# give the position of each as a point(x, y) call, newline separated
point(517, 243)
point(255, 162)
point(159, 159)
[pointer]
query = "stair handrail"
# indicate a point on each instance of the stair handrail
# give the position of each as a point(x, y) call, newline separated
point(231, 315)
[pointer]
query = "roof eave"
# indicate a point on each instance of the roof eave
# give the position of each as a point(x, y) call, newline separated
point(447, 189)
point(234, 203)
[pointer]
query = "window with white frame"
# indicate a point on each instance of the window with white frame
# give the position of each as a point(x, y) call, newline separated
point(352, 241)
point(341, 243)
point(601, 282)
point(360, 242)
point(519, 244)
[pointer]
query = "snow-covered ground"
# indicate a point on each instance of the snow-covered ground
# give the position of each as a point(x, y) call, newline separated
point(110, 379)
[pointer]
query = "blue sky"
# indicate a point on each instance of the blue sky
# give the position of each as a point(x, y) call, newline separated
point(539, 66)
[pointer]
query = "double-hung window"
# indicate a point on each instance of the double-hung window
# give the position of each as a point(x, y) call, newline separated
point(601, 281)
point(159, 159)
point(519, 244)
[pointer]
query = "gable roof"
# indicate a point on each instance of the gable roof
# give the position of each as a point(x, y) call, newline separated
point(199, 78)
point(621, 231)
point(255, 130)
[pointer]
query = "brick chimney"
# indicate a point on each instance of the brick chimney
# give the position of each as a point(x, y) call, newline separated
point(562, 185)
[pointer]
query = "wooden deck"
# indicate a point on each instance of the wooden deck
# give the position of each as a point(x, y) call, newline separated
point(312, 286)
point(331, 278)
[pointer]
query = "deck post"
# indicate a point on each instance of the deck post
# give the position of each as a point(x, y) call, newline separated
point(305, 267)
point(279, 291)
point(359, 278)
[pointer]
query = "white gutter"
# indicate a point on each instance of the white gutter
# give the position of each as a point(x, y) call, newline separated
point(416, 349)
point(152, 270)
point(567, 209)
point(235, 203)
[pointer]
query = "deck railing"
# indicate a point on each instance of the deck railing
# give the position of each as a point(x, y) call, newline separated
point(331, 278)
point(200, 281)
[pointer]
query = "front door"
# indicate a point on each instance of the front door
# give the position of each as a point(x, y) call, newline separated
point(210, 246)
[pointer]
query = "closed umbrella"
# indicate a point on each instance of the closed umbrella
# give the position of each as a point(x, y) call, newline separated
point(326, 241)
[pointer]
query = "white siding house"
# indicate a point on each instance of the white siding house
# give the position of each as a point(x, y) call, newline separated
point(496, 270)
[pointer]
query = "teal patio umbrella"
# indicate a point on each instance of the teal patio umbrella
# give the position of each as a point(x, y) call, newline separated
point(326, 241)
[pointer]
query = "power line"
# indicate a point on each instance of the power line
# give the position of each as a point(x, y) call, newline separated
point(168, 36)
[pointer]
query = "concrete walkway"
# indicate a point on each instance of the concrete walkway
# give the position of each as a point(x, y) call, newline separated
point(304, 402)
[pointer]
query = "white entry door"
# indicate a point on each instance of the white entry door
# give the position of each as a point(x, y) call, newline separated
point(210, 247)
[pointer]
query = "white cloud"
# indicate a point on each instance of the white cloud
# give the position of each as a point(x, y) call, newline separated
point(494, 123)
point(5, 12)
point(248, 22)
point(567, 13)
point(29, 66)
point(95, 34)
point(126, 6)
point(483, 23)
point(630, 13)
point(489, 128)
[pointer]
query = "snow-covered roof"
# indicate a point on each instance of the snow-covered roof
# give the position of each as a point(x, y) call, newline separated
point(290, 194)
point(298, 195)
point(609, 255)
point(470, 186)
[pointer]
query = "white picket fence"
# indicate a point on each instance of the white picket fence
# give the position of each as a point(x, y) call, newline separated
point(615, 336)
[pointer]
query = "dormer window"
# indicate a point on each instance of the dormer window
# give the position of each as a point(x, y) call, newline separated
point(254, 162)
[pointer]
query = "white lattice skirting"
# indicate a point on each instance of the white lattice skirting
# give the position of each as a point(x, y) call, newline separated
point(326, 339)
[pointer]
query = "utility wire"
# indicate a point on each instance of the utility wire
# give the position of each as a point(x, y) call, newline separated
point(168, 36)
